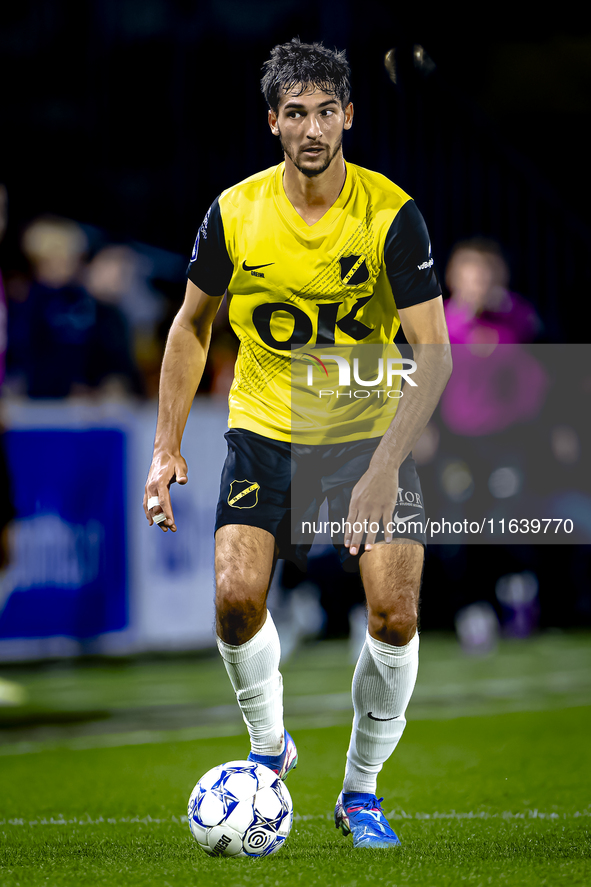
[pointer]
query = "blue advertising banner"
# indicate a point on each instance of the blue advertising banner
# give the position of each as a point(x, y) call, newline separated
point(68, 573)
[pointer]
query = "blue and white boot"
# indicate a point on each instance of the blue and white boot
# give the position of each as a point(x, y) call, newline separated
point(280, 764)
point(359, 814)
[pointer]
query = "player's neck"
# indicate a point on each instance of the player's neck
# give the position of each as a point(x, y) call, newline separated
point(313, 196)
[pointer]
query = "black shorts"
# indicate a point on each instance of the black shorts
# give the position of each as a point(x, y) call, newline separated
point(280, 486)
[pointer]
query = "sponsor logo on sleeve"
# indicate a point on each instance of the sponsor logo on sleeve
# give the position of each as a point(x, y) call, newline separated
point(195, 248)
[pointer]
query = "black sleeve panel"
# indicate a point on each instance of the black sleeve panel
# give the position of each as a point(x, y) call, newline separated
point(211, 268)
point(407, 255)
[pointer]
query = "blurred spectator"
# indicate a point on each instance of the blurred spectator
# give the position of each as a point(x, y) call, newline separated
point(54, 322)
point(481, 308)
point(110, 278)
point(3, 308)
point(8, 512)
point(117, 276)
point(65, 340)
point(491, 388)
point(488, 412)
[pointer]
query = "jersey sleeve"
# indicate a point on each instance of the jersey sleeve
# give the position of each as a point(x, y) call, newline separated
point(408, 260)
point(210, 267)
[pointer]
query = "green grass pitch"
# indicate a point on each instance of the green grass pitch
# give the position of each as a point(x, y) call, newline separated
point(489, 785)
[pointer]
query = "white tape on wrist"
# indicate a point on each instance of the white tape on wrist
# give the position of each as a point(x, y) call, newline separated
point(152, 502)
point(158, 518)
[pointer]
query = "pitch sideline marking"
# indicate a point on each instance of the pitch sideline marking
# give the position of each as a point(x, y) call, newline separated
point(299, 817)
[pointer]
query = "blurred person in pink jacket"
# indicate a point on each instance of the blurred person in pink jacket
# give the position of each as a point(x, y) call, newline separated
point(493, 386)
point(482, 310)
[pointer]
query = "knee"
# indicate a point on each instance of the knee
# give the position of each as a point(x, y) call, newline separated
point(240, 606)
point(395, 627)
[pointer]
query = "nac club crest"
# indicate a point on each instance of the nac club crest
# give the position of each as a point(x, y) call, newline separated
point(353, 270)
point(243, 494)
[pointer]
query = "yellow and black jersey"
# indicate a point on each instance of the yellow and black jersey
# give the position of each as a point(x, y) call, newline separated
point(293, 288)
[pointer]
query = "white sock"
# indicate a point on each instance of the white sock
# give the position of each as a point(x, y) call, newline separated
point(382, 686)
point(253, 669)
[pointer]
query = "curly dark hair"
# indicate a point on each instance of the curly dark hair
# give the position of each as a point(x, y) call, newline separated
point(303, 65)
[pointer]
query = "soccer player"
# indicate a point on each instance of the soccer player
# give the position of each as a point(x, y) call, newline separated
point(314, 251)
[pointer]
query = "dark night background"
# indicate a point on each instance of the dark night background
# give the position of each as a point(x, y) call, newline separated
point(130, 116)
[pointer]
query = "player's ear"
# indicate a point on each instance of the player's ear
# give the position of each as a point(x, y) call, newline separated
point(272, 117)
point(349, 116)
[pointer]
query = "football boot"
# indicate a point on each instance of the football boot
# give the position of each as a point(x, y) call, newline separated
point(359, 814)
point(280, 764)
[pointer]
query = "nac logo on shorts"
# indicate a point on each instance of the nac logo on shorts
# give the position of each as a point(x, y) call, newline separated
point(243, 494)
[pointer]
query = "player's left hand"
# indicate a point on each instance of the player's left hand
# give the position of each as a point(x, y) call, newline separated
point(373, 500)
point(168, 467)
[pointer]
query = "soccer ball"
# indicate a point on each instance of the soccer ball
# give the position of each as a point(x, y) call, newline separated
point(240, 809)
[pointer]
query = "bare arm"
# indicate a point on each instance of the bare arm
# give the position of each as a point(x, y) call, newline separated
point(374, 496)
point(182, 369)
point(425, 329)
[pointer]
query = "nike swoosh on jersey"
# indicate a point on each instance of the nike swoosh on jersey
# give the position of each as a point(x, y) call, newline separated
point(403, 520)
point(373, 717)
point(255, 267)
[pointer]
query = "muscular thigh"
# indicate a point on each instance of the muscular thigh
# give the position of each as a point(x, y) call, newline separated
point(244, 562)
point(391, 575)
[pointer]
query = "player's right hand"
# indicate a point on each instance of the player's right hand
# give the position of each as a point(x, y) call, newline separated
point(166, 469)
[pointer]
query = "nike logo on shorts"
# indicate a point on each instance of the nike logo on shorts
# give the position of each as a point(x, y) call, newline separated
point(403, 520)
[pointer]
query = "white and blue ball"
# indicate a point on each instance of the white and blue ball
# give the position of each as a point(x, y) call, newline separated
point(240, 809)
